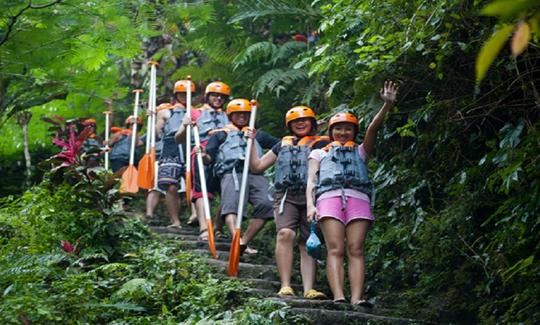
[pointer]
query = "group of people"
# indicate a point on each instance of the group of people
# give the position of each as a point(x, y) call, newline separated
point(317, 178)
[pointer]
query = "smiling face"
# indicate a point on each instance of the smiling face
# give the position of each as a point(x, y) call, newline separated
point(301, 126)
point(216, 100)
point(343, 132)
point(239, 119)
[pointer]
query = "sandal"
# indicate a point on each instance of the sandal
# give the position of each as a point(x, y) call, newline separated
point(363, 303)
point(340, 301)
point(286, 292)
point(314, 294)
point(219, 234)
point(203, 235)
point(174, 226)
point(245, 249)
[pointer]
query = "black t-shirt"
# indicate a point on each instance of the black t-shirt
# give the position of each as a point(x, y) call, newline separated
point(266, 141)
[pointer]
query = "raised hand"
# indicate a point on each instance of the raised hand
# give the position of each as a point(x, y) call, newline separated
point(389, 92)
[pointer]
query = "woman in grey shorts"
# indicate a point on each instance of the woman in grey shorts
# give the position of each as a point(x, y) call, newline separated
point(290, 159)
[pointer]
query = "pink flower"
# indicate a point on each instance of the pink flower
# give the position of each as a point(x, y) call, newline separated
point(68, 247)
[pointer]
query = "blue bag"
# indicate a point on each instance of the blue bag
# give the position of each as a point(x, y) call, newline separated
point(313, 243)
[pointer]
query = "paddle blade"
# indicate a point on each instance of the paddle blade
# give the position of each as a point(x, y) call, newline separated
point(145, 178)
point(129, 181)
point(234, 255)
point(188, 189)
point(211, 239)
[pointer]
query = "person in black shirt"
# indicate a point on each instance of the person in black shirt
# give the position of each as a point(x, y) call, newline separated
point(226, 148)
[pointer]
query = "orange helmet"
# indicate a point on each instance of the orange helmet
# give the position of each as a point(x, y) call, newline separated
point(298, 112)
point(238, 105)
point(89, 121)
point(130, 119)
point(181, 86)
point(343, 117)
point(218, 87)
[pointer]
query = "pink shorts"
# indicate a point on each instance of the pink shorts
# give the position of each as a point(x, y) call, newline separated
point(354, 209)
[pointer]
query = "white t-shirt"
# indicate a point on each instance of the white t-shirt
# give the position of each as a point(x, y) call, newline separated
point(319, 154)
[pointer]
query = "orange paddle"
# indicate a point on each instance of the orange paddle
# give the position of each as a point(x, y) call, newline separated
point(129, 177)
point(188, 147)
point(202, 178)
point(146, 164)
point(234, 255)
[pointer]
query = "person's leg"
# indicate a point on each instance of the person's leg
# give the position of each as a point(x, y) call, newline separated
point(152, 200)
point(356, 232)
point(220, 222)
point(262, 206)
point(230, 221)
point(307, 268)
point(199, 205)
point(172, 201)
point(193, 217)
point(284, 255)
point(255, 225)
point(334, 234)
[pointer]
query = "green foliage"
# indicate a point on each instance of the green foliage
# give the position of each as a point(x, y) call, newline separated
point(526, 11)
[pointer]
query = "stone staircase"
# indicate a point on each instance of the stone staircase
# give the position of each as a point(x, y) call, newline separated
point(261, 275)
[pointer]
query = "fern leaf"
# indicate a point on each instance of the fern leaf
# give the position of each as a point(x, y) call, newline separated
point(260, 50)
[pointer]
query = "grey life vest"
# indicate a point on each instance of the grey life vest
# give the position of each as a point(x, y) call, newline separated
point(169, 148)
point(91, 144)
point(211, 119)
point(343, 168)
point(173, 123)
point(231, 153)
point(292, 163)
point(121, 148)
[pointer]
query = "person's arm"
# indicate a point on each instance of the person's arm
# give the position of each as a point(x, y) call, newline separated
point(388, 94)
point(266, 140)
point(258, 165)
point(180, 135)
point(139, 141)
point(114, 139)
point(161, 119)
point(313, 168)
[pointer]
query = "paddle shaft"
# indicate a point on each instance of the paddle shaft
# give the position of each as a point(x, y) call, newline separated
point(245, 171)
point(152, 104)
point(107, 126)
point(188, 129)
point(202, 177)
point(134, 128)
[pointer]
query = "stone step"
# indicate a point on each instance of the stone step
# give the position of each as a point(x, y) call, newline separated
point(247, 258)
point(199, 244)
point(271, 285)
point(190, 237)
point(263, 293)
point(247, 270)
point(301, 302)
point(332, 317)
point(181, 231)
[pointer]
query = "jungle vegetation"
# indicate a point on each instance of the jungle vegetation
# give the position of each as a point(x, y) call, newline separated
point(456, 167)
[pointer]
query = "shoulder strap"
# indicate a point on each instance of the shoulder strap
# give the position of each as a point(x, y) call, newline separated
point(288, 140)
point(339, 144)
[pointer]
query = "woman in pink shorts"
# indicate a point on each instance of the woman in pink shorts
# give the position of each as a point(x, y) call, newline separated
point(337, 178)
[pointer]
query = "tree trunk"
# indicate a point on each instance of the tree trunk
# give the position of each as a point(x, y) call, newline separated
point(23, 118)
